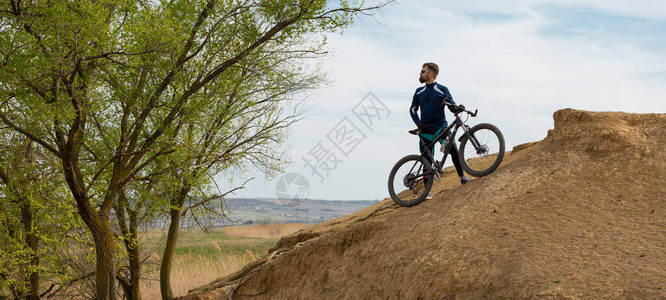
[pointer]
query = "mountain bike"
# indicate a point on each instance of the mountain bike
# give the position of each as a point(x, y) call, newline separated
point(480, 153)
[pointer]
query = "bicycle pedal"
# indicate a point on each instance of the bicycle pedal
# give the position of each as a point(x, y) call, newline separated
point(438, 167)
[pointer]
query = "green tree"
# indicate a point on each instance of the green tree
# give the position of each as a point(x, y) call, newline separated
point(106, 86)
point(32, 200)
point(18, 226)
point(252, 109)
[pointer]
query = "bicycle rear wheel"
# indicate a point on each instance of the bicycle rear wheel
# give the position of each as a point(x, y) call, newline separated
point(482, 154)
point(410, 180)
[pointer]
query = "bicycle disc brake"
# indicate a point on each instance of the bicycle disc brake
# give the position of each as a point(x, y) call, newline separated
point(483, 150)
point(408, 181)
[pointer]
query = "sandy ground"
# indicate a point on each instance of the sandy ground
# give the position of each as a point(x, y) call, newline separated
point(579, 215)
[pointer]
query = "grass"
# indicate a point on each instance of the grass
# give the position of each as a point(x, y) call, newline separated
point(191, 271)
point(203, 257)
point(214, 248)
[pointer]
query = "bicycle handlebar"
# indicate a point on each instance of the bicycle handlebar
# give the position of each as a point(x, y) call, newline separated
point(460, 108)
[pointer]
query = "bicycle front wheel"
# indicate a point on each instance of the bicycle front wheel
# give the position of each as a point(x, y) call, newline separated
point(410, 180)
point(481, 154)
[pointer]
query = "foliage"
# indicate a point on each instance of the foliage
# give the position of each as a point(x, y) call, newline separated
point(144, 102)
point(37, 218)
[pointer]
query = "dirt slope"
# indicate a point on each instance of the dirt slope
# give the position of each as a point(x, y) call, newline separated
point(580, 215)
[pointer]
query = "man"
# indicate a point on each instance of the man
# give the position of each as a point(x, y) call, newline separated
point(430, 99)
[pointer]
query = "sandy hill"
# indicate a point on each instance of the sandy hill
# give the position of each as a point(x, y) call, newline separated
point(581, 214)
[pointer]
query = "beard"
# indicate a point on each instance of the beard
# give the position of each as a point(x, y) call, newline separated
point(421, 80)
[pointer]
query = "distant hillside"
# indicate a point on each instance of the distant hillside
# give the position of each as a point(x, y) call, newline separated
point(261, 210)
point(579, 215)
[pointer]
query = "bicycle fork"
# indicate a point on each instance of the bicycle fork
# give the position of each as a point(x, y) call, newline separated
point(474, 141)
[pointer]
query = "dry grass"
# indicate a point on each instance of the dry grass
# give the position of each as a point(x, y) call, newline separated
point(201, 258)
point(191, 271)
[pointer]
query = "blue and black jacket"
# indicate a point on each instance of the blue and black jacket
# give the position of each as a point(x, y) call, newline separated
point(430, 99)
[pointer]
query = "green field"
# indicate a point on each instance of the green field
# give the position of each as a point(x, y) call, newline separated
point(196, 242)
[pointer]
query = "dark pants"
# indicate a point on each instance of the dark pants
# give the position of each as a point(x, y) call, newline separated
point(453, 152)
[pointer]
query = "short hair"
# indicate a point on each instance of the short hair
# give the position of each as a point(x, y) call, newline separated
point(433, 67)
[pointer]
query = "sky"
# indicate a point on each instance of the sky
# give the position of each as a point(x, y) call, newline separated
point(516, 61)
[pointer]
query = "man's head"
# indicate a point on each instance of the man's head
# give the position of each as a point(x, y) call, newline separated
point(429, 72)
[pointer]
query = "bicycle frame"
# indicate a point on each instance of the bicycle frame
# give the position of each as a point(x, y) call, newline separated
point(455, 125)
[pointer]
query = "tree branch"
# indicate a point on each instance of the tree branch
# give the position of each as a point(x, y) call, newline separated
point(204, 201)
point(182, 59)
point(31, 136)
point(109, 54)
point(4, 177)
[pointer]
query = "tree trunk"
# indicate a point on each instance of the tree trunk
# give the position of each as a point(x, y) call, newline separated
point(167, 256)
point(105, 252)
point(100, 228)
point(128, 227)
point(134, 257)
point(31, 241)
point(96, 220)
point(172, 238)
